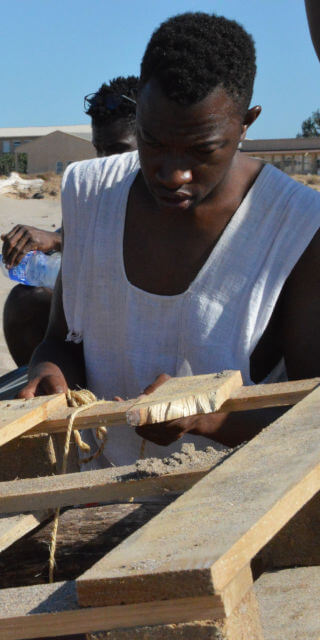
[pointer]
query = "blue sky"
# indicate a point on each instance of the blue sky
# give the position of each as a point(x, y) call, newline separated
point(56, 51)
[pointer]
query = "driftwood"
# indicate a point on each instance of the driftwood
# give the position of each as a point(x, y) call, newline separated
point(84, 536)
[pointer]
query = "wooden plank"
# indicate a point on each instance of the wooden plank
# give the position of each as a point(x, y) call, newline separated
point(298, 542)
point(289, 603)
point(105, 485)
point(19, 416)
point(84, 536)
point(37, 611)
point(261, 396)
point(111, 413)
point(243, 624)
point(240, 399)
point(203, 539)
point(13, 527)
point(27, 457)
point(176, 397)
point(181, 397)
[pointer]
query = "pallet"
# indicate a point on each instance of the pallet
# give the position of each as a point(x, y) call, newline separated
point(187, 572)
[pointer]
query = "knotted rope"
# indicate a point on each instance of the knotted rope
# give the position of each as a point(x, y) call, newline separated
point(79, 399)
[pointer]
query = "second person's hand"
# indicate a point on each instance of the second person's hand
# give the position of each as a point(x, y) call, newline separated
point(23, 238)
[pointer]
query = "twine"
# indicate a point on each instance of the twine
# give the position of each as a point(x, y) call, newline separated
point(79, 399)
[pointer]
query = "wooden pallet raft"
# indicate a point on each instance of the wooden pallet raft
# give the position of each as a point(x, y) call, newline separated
point(187, 572)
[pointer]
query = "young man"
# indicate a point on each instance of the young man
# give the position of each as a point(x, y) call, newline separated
point(187, 257)
point(26, 312)
point(313, 15)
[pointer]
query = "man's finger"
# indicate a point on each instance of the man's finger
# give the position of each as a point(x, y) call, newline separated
point(18, 251)
point(163, 377)
point(163, 433)
point(53, 384)
point(29, 391)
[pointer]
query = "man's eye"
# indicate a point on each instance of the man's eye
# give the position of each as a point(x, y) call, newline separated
point(152, 143)
point(205, 150)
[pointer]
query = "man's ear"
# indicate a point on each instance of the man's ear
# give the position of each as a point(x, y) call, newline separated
point(250, 117)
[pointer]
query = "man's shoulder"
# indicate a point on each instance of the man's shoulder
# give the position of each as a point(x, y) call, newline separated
point(100, 170)
point(287, 184)
point(286, 196)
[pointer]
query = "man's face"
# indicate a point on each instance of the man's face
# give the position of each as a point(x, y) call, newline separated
point(112, 138)
point(186, 152)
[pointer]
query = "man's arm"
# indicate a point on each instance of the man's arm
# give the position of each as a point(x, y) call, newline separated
point(55, 364)
point(300, 315)
point(313, 15)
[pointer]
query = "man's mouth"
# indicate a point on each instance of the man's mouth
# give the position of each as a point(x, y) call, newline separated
point(182, 199)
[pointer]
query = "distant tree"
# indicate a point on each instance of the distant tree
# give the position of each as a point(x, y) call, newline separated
point(311, 126)
point(22, 162)
point(6, 163)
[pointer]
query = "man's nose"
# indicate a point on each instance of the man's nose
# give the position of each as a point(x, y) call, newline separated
point(173, 177)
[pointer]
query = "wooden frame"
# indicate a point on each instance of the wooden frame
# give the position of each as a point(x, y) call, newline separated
point(190, 565)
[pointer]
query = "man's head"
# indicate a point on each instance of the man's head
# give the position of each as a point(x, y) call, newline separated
point(192, 54)
point(113, 116)
point(195, 88)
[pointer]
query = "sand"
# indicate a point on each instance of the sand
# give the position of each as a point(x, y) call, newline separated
point(187, 459)
point(44, 214)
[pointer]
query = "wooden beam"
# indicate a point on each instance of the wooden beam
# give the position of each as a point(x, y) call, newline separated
point(243, 624)
point(182, 397)
point(177, 397)
point(40, 611)
point(105, 485)
point(289, 603)
point(13, 527)
point(298, 542)
point(261, 396)
point(37, 611)
point(84, 536)
point(201, 541)
point(240, 399)
point(19, 416)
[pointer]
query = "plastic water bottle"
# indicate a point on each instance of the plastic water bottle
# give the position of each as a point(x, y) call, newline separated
point(36, 268)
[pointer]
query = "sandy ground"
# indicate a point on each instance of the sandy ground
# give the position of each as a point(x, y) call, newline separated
point(45, 214)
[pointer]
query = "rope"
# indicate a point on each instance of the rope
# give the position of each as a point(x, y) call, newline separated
point(81, 400)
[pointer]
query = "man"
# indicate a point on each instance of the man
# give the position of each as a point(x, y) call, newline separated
point(189, 258)
point(313, 15)
point(113, 116)
point(26, 311)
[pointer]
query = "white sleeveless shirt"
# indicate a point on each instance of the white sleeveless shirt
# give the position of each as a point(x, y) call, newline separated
point(131, 336)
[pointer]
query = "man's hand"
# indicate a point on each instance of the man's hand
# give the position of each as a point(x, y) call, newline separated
point(230, 429)
point(23, 238)
point(47, 379)
point(164, 433)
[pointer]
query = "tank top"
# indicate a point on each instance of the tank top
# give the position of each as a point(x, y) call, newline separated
point(129, 335)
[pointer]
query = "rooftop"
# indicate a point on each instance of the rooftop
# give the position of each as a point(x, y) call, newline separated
point(282, 144)
point(29, 132)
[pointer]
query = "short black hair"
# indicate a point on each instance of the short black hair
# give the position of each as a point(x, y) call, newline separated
point(126, 110)
point(193, 53)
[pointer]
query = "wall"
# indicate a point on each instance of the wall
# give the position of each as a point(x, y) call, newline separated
point(55, 151)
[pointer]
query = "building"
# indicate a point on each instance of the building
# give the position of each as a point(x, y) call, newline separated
point(291, 155)
point(56, 150)
point(47, 148)
point(12, 137)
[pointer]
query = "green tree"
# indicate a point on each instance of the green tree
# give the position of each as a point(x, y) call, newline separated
point(311, 126)
point(6, 163)
point(22, 162)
